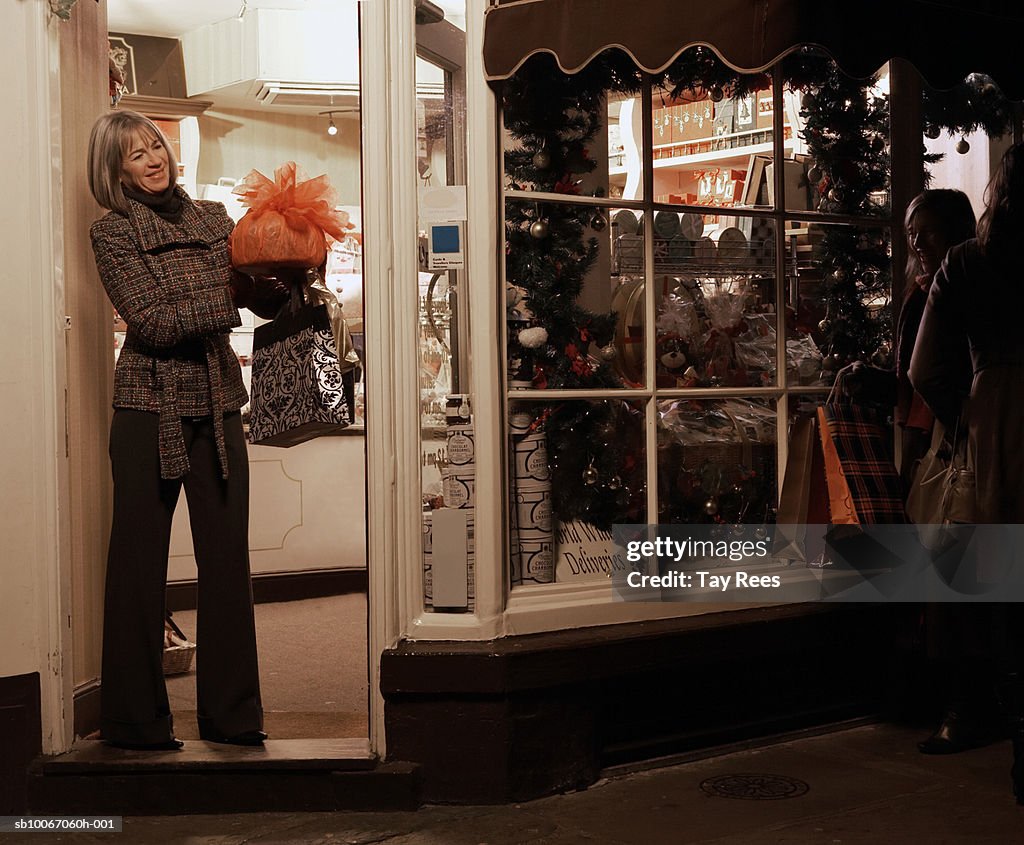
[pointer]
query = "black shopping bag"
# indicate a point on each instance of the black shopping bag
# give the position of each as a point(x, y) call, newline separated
point(297, 388)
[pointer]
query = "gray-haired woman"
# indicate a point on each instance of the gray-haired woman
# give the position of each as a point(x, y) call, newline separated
point(163, 260)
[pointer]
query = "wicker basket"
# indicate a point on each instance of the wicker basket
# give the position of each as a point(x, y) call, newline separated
point(178, 658)
point(178, 651)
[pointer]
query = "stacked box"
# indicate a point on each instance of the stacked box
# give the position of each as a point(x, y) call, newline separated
point(532, 510)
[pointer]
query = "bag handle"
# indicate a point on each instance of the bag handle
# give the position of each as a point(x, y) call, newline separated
point(837, 389)
point(960, 432)
point(296, 301)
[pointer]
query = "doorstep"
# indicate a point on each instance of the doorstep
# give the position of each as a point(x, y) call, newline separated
point(283, 775)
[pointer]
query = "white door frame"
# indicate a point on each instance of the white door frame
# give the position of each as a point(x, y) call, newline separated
point(390, 266)
point(43, 286)
point(387, 47)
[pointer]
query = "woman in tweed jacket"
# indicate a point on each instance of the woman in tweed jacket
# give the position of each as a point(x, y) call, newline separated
point(163, 259)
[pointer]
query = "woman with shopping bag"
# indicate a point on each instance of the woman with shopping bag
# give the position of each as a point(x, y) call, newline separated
point(977, 299)
point(163, 260)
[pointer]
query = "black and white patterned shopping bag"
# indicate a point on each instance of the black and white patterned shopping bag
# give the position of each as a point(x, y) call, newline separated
point(297, 388)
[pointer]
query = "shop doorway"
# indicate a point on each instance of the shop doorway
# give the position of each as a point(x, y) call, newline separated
point(229, 111)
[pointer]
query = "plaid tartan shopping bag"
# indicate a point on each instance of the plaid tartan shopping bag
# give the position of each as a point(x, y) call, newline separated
point(863, 483)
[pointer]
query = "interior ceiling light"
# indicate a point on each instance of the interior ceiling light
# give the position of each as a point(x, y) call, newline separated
point(332, 128)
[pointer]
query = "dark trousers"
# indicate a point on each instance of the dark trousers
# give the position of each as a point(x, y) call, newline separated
point(134, 705)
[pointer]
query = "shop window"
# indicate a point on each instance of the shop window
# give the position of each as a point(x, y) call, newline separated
point(677, 408)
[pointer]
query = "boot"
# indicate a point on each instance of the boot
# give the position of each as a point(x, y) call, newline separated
point(963, 727)
point(1012, 695)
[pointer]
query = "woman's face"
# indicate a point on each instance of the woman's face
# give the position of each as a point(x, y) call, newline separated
point(145, 166)
point(927, 240)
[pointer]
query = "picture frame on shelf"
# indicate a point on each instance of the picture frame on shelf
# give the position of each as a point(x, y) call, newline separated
point(751, 195)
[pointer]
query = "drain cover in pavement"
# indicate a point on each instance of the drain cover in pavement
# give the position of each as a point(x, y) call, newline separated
point(755, 787)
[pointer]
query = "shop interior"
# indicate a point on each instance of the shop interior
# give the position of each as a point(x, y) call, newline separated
point(249, 86)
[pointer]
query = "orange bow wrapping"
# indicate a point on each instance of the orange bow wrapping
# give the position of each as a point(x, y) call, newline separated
point(288, 221)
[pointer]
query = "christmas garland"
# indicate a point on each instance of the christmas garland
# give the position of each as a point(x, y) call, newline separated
point(976, 103)
point(593, 448)
point(846, 129)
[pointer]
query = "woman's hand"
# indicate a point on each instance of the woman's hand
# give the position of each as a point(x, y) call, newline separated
point(864, 383)
point(263, 295)
point(268, 288)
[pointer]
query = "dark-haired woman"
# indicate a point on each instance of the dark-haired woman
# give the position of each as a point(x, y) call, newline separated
point(935, 220)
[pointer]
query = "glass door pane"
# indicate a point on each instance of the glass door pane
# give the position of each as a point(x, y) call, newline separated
point(446, 424)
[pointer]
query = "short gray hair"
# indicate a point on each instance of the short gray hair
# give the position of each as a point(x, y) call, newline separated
point(108, 144)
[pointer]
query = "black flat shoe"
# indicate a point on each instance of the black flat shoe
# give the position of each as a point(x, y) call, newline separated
point(170, 745)
point(244, 738)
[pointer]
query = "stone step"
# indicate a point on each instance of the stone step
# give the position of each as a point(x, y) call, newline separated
point(282, 775)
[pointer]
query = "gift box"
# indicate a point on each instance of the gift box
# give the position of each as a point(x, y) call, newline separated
point(288, 221)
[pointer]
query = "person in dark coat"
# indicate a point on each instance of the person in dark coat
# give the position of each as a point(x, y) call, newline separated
point(163, 260)
point(954, 635)
point(935, 220)
point(977, 298)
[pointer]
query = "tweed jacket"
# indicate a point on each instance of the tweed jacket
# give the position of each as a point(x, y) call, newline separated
point(169, 283)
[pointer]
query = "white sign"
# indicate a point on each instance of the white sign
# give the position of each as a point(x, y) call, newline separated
point(442, 203)
point(586, 553)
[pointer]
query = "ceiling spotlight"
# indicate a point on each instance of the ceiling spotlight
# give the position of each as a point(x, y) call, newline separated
point(332, 128)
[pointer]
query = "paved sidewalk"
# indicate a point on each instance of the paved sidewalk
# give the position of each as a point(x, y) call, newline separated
point(867, 784)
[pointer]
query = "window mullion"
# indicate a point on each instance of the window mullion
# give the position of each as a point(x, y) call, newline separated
point(779, 213)
point(650, 310)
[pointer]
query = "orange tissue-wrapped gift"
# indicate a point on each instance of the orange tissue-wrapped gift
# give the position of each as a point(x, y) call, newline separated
point(288, 221)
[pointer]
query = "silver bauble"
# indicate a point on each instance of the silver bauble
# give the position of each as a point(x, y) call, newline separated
point(598, 223)
point(609, 352)
point(962, 146)
point(932, 132)
point(808, 101)
point(716, 94)
point(539, 230)
point(614, 483)
point(711, 507)
point(814, 175)
point(590, 476)
point(542, 159)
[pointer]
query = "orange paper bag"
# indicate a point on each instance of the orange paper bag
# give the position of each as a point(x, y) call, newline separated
point(288, 221)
